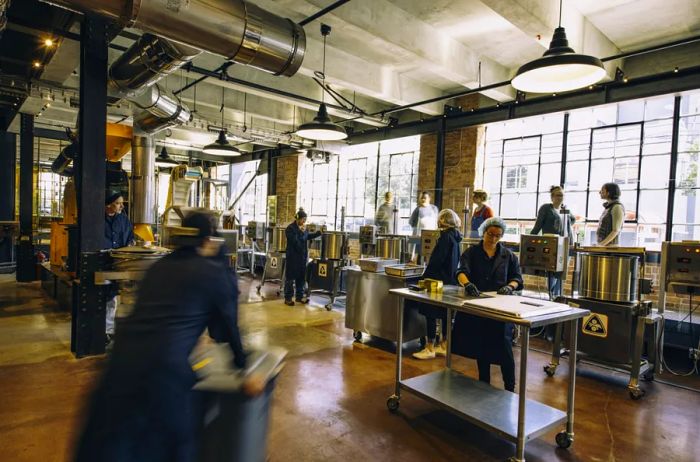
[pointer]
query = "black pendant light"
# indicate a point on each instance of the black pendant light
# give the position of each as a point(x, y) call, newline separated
point(221, 147)
point(559, 69)
point(322, 128)
point(164, 160)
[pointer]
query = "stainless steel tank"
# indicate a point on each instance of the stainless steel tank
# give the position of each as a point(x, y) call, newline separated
point(279, 239)
point(333, 245)
point(390, 247)
point(612, 278)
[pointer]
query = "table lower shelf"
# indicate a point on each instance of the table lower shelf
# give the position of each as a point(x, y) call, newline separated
point(487, 407)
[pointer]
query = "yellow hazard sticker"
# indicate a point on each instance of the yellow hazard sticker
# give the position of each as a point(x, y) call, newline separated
point(273, 262)
point(595, 324)
point(323, 269)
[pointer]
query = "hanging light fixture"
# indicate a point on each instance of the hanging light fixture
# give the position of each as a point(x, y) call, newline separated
point(164, 160)
point(221, 147)
point(322, 128)
point(559, 69)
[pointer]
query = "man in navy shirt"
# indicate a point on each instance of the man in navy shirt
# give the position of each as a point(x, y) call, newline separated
point(118, 233)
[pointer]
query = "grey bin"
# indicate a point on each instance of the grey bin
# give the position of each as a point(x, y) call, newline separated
point(235, 425)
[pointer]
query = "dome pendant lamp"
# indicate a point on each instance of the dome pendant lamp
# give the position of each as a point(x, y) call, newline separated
point(221, 147)
point(322, 128)
point(559, 69)
point(164, 160)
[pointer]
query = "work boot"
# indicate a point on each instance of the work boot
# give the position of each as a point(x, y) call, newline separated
point(289, 302)
point(303, 300)
point(424, 354)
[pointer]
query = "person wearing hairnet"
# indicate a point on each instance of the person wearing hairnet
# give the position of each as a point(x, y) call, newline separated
point(144, 408)
point(296, 258)
point(441, 266)
point(486, 267)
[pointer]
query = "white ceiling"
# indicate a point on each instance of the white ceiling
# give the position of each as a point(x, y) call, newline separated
point(383, 53)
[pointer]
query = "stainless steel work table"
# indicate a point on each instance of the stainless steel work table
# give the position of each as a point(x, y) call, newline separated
point(514, 417)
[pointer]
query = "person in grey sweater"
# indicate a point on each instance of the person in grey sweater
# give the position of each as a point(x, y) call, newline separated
point(384, 218)
point(424, 216)
point(550, 220)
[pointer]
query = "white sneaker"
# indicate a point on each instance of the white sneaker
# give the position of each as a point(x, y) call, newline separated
point(440, 350)
point(424, 354)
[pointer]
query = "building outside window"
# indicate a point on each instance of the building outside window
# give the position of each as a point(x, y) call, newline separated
point(251, 198)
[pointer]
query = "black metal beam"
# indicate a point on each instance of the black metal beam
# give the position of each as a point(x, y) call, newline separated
point(610, 92)
point(674, 164)
point(60, 135)
point(440, 164)
point(26, 263)
point(322, 12)
point(88, 322)
point(8, 161)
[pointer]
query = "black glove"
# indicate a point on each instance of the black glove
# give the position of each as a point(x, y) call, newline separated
point(471, 290)
point(505, 290)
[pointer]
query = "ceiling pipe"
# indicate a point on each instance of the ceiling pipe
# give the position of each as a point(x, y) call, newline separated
point(239, 31)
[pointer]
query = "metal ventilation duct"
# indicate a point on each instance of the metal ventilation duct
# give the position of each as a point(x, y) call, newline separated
point(239, 31)
point(142, 180)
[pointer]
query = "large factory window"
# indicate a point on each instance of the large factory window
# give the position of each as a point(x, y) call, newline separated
point(627, 143)
point(686, 205)
point(250, 194)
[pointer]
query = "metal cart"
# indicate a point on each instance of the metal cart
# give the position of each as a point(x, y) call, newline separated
point(513, 417)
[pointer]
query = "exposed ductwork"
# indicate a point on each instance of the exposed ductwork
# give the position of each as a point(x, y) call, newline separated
point(142, 198)
point(237, 30)
point(160, 110)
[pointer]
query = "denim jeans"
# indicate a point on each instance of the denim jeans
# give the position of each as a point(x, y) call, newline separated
point(289, 287)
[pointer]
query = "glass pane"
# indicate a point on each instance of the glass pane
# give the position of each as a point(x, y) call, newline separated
point(657, 137)
point(687, 171)
point(630, 111)
point(685, 233)
point(550, 175)
point(658, 108)
point(690, 104)
point(576, 176)
point(689, 134)
point(655, 171)
point(686, 207)
point(576, 202)
point(652, 206)
point(518, 205)
point(578, 145)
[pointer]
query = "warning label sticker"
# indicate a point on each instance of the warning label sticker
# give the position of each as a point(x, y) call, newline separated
point(595, 324)
point(273, 262)
point(323, 269)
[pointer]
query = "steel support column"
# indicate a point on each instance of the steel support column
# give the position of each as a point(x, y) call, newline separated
point(88, 323)
point(8, 165)
point(26, 263)
point(440, 164)
point(674, 167)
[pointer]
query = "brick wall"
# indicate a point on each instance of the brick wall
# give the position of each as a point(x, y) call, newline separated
point(461, 152)
point(286, 187)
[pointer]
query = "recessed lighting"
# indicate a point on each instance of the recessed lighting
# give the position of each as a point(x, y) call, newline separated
point(48, 104)
point(36, 64)
point(625, 80)
point(48, 42)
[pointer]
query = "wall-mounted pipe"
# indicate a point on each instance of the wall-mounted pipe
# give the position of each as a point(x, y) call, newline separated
point(237, 30)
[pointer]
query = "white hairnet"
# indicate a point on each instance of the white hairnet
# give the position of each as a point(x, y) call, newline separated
point(494, 221)
point(449, 218)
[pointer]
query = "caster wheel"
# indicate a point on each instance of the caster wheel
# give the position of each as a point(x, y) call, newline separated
point(648, 377)
point(636, 393)
point(563, 440)
point(550, 370)
point(393, 403)
point(358, 336)
point(329, 307)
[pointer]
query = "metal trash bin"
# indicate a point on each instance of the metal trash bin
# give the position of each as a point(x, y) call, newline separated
point(234, 425)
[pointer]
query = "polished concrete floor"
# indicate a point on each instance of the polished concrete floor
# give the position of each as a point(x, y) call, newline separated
point(329, 403)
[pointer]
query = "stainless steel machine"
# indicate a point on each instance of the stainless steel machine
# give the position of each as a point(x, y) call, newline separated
point(622, 330)
point(428, 241)
point(680, 276)
point(327, 273)
point(540, 255)
point(370, 308)
point(275, 261)
point(252, 255)
point(230, 237)
point(368, 240)
point(395, 246)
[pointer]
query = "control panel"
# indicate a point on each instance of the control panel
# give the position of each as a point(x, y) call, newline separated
point(428, 241)
point(683, 266)
point(368, 235)
point(543, 253)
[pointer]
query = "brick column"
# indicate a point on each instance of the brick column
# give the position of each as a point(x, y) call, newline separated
point(286, 188)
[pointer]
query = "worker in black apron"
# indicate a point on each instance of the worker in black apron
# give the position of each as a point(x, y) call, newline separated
point(144, 408)
point(487, 267)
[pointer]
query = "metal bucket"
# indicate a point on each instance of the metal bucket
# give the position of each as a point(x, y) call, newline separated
point(333, 245)
point(390, 247)
point(279, 239)
point(612, 278)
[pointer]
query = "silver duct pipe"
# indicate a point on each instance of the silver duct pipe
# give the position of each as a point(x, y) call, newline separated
point(239, 31)
point(160, 110)
point(147, 60)
point(142, 179)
